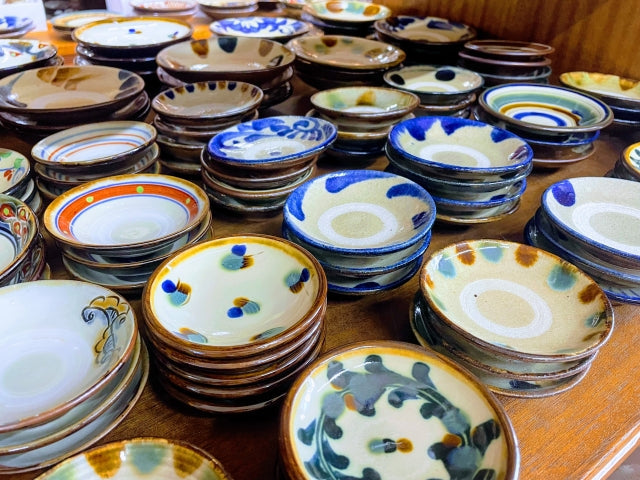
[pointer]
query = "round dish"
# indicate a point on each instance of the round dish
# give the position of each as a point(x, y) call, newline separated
point(352, 13)
point(425, 30)
point(67, 22)
point(20, 54)
point(614, 90)
point(601, 214)
point(630, 159)
point(545, 108)
point(83, 325)
point(459, 148)
point(124, 212)
point(21, 245)
point(281, 29)
point(555, 312)
point(360, 212)
point(350, 53)
point(163, 459)
point(500, 66)
point(435, 85)
point(273, 285)
point(254, 60)
point(357, 401)
point(15, 170)
point(509, 49)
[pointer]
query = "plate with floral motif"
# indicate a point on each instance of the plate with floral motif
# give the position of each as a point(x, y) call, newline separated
point(275, 28)
point(389, 410)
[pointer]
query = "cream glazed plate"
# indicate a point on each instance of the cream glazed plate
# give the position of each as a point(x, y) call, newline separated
point(518, 300)
point(601, 214)
point(393, 410)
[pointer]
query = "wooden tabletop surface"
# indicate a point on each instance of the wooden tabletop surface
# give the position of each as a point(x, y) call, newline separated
point(582, 433)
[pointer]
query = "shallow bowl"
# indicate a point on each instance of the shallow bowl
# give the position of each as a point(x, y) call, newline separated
point(68, 21)
point(270, 283)
point(350, 13)
point(434, 31)
point(21, 245)
point(280, 29)
point(163, 459)
point(509, 49)
point(95, 332)
point(501, 67)
point(253, 60)
point(23, 54)
point(517, 300)
point(630, 160)
point(545, 108)
point(15, 170)
point(384, 386)
point(612, 89)
point(434, 84)
point(362, 213)
point(126, 212)
point(450, 147)
point(363, 108)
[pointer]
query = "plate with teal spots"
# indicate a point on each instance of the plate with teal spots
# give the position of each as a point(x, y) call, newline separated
point(517, 300)
point(387, 410)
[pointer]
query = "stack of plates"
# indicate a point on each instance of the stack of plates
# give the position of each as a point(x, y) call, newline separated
point(115, 231)
point(393, 410)
point(622, 95)
point(45, 100)
point(187, 117)
point(18, 55)
point(279, 29)
point(22, 247)
point(364, 116)
point(330, 61)
point(233, 321)
point(627, 165)
point(425, 40)
point(64, 23)
point(507, 61)
point(475, 172)
point(592, 222)
point(252, 167)
point(264, 63)
point(130, 43)
point(82, 154)
point(368, 229)
point(217, 9)
point(83, 384)
point(184, 9)
point(514, 315)
point(442, 90)
point(17, 179)
point(560, 124)
point(15, 27)
point(354, 18)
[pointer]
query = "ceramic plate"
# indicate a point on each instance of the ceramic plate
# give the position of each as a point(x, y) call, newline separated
point(16, 54)
point(126, 211)
point(167, 7)
point(509, 49)
point(518, 300)
point(631, 159)
point(10, 24)
point(429, 30)
point(274, 28)
point(545, 108)
point(615, 90)
point(18, 235)
point(14, 169)
point(358, 401)
point(254, 287)
point(70, 20)
point(347, 12)
point(360, 212)
point(601, 214)
point(351, 53)
point(71, 355)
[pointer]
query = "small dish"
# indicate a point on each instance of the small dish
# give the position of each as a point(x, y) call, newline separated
point(253, 60)
point(280, 29)
point(545, 108)
point(435, 85)
point(630, 160)
point(612, 89)
point(22, 54)
point(363, 213)
point(425, 30)
point(13, 23)
point(165, 8)
point(15, 171)
point(562, 314)
point(343, 51)
point(383, 386)
point(352, 13)
point(68, 21)
point(509, 49)
point(501, 67)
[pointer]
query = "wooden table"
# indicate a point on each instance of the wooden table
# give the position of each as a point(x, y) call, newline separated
point(580, 434)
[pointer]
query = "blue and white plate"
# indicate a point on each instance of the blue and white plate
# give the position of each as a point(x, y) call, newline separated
point(275, 28)
point(11, 23)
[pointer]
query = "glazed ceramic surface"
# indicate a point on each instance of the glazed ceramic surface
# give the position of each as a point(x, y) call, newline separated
point(517, 299)
point(545, 108)
point(509, 49)
point(631, 160)
point(18, 53)
point(234, 291)
point(613, 89)
point(350, 12)
point(272, 140)
point(602, 214)
point(461, 148)
point(14, 170)
point(12, 23)
point(127, 32)
point(360, 212)
point(68, 355)
point(71, 20)
point(94, 143)
point(357, 402)
point(165, 7)
point(208, 101)
point(425, 29)
point(126, 211)
point(68, 89)
point(139, 458)
point(274, 28)
point(352, 53)
point(18, 233)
